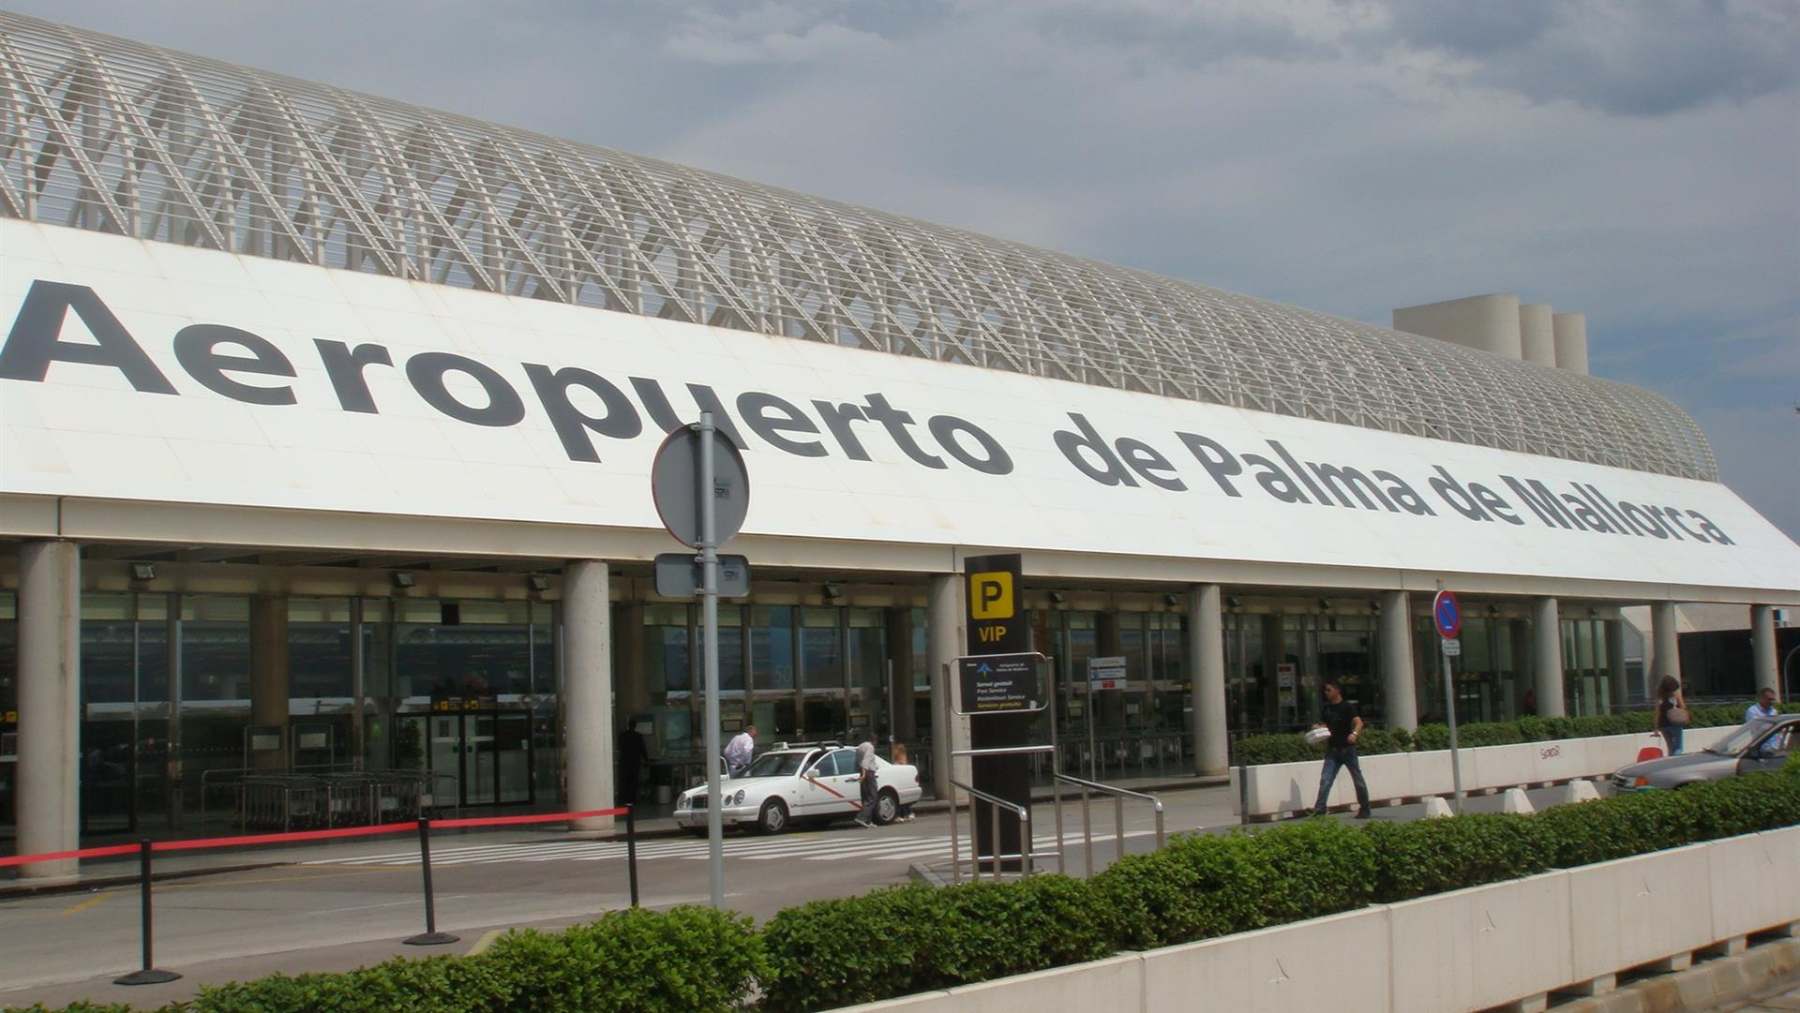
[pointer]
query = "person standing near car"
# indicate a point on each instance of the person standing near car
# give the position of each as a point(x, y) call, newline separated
point(1671, 713)
point(898, 752)
point(867, 768)
point(1345, 723)
point(740, 750)
point(1764, 708)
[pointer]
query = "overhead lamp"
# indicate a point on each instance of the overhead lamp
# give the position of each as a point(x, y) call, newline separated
point(1057, 597)
point(1324, 606)
point(1493, 611)
point(1234, 601)
point(834, 590)
point(143, 572)
point(402, 579)
point(1171, 600)
point(538, 582)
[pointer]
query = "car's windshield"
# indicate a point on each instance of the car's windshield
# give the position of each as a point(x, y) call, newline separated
point(776, 765)
point(1740, 740)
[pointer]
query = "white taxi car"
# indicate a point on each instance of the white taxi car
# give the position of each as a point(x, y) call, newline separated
point(816, 783)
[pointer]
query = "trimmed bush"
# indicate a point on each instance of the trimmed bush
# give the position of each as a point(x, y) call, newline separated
point(908, 939)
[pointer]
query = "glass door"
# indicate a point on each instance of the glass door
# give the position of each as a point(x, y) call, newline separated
point(512, 757)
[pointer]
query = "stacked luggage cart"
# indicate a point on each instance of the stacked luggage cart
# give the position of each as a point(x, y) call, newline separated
point(297, 801)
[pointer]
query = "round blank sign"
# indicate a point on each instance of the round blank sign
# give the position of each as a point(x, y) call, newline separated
point(675, 486)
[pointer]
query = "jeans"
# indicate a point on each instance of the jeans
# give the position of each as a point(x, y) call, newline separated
point(1345, 757)
point(1672, 735)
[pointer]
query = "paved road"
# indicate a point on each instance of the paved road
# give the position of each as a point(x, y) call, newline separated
point(342, 905)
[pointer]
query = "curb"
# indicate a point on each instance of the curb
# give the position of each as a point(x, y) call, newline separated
point(1771, 967)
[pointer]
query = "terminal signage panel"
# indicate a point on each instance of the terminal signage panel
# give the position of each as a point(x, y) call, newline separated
point(996, 615)
point(1001, 683)
point(142, 371)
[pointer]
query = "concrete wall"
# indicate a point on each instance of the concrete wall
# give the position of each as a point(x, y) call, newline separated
point(1482, 947)
point(1487, 322)
point(1276, 789)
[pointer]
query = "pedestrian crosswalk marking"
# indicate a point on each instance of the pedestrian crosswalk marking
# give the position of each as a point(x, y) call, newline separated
point(814, 847)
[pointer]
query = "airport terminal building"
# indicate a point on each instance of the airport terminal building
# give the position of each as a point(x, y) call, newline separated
point(326, 425)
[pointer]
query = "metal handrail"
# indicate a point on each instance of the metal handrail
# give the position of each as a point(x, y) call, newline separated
point(1119, 795)
point(1023, 813)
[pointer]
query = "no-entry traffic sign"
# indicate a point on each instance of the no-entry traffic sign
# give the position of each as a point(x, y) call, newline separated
point(1446, 615)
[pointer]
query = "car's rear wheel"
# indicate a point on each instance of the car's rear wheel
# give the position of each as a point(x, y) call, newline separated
point(774, 817)
point(887, 806)
point(696, 831)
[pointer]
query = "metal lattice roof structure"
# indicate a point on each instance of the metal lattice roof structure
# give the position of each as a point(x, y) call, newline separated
point(106, 134)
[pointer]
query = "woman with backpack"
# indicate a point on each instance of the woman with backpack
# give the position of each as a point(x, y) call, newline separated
point(1671, 713)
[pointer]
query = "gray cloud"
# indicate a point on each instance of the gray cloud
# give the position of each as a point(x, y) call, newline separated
point(1620, 56)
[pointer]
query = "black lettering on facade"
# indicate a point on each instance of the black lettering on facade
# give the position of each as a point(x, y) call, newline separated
point(947, 430)
point(344, 367)
point(36, 339)
point(1213, 457)
point(197, 349)
point(572, 424)
point(770, 417)
point(426, 372)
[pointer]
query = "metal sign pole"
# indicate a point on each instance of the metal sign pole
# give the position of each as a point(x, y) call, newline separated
point(1450, 709)
point(1449, 699)
point(709, 597)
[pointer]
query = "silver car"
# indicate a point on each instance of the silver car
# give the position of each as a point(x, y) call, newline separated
point(1758, 745)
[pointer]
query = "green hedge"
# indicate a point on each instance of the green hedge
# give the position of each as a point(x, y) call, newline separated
point(1289, 748)
point(897, 941)
point(1204, 886)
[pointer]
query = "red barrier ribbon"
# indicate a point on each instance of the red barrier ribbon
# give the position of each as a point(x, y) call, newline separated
point(511, 821)
point(57, 856)
point(200, 843)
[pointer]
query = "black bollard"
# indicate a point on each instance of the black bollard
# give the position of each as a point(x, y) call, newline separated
point(631, 850)
point(431, 936)
point(149, 974)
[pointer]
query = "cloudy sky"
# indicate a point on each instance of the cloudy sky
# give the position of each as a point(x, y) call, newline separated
point(1639, 162)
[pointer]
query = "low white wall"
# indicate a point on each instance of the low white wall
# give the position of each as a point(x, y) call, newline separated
point(1468, 949)
point(1275, 789)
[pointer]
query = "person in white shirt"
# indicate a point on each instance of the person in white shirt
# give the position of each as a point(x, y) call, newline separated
point(869, 768)
point(739, 751)
point(1764, 708)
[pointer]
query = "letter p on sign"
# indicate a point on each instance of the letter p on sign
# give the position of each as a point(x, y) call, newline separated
point(991, 595)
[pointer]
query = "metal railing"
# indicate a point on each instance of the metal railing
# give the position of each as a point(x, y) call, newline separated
point(995, 804)
point(1119, 795)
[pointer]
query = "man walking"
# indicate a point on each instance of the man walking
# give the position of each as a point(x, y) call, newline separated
point(739, 751)
point(1341, 717)
point(868, 767)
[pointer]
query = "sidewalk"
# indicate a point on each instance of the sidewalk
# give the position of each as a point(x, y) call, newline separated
point(102, 873)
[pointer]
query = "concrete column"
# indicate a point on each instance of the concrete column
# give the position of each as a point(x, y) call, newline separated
point(269, 674)
point(1546, 657)
point(943, 645)
point(1665, 639)
point(49, 790)
point(1762, 649)
point(1399, 690)
point(587, 690)
point(904, 724)
point(1615, 664)
point(1206, 678)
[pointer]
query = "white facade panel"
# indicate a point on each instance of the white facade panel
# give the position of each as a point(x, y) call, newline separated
point(82, 429)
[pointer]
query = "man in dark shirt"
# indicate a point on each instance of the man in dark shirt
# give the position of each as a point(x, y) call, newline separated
point(1341, 718)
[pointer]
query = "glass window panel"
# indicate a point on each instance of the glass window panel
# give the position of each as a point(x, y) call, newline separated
point(319, 647)
point(772, 646)
point(215, 648)
point(821, 659)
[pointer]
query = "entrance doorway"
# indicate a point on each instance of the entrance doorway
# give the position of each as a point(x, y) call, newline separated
point(479, 757)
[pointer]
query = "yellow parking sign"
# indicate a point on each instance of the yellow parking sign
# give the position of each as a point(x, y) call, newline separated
point(991, 595)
